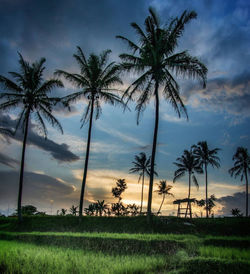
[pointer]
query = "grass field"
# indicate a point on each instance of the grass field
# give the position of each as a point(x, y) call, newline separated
point(118, 245)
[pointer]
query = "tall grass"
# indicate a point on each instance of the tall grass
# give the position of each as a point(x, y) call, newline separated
point(225, 253)
point(27, 258)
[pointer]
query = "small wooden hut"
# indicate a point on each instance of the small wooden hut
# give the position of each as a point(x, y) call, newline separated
point(184, 209)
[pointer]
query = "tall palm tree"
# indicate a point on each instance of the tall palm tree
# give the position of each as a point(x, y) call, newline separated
point(95, 82)
point(141, 166)
point(187, 163)
point(155, 60)
point(206, 157)
point(241, 168)
point(163, 189)
point(30, 92)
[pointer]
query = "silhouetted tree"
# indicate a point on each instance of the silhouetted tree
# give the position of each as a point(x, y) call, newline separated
point(101, 207)
point(206, 157)
point(241, 168)
point(28, 210)
point(133, 209)
point(163, 189)
point(73, 210)
point(141, 166)
point(187, 163)
point(236, 212)
point(154, 58)
point(118, 208)
point(94, 81)
point(63, 212)
point(90, 210)
point(117, 191)
point(30, 92)
point(210, 204)
point(201, 203)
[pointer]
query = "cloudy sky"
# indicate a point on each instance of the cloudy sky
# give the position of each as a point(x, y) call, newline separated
point(219, 114)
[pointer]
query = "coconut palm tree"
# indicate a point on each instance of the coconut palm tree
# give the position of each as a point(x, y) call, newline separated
point(30, 92)
point(241, 168)
point(163, 189)
point(73, 210)
point(101, 207)
point(141, 166)
point(155, 60)
point(95, 81)
point(187, 163)
point(206, 157)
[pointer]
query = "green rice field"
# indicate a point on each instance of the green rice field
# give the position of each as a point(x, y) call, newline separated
point(99, 251)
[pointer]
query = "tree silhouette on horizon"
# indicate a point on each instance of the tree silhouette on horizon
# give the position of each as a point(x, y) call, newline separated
point(241, 168)
point(30, 92)
point(206, 157)
point(163, 189)
point(155, 60)
point(187, 163)
point(95, 80)
point(141, 166)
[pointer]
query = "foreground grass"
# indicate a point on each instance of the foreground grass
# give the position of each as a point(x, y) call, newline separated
point(50, 246)
point(27, 258)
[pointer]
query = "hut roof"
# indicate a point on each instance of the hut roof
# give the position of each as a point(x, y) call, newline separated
point(179, 201)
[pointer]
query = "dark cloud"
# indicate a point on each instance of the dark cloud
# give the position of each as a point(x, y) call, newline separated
point(223, 94)
point(59, 152)
point(37, 188)
point(48, 29)
point(8, 161)
point(237, 200)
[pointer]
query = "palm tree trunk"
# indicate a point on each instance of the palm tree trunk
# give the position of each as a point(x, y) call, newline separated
point(86, 158)
point(152, 166)
point(189, 191)
point(161, 204)
point(206, 191)
point(142, 191)
point(20, 191)
point(246, 192)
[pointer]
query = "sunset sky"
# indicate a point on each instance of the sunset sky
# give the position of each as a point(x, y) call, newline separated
point(219, 114)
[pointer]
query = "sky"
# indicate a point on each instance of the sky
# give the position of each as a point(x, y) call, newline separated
point(219, 114)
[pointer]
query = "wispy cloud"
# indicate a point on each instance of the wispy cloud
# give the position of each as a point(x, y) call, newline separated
point(124, 137)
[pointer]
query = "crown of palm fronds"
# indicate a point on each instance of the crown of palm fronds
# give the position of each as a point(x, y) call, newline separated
point(30, 92)
point(96, 81)
point(154, 59)
point(163, 188)
point(187, 163)
point(241, 163)
point(205, 155)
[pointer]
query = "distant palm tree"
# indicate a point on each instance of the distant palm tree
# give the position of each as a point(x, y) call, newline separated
point(206, 157)
point(63, 212)
point(90, 210)
point(101, 207)
point(73, 210)
point(163, 189)
point(210, 205)
point(236, 212)
point(141, 166)
point(95, 80)
point(30, 92)
point(155, 60)
point(187, 163)
point(241, 168)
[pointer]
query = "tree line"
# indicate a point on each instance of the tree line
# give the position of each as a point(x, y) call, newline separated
point(153, 58)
